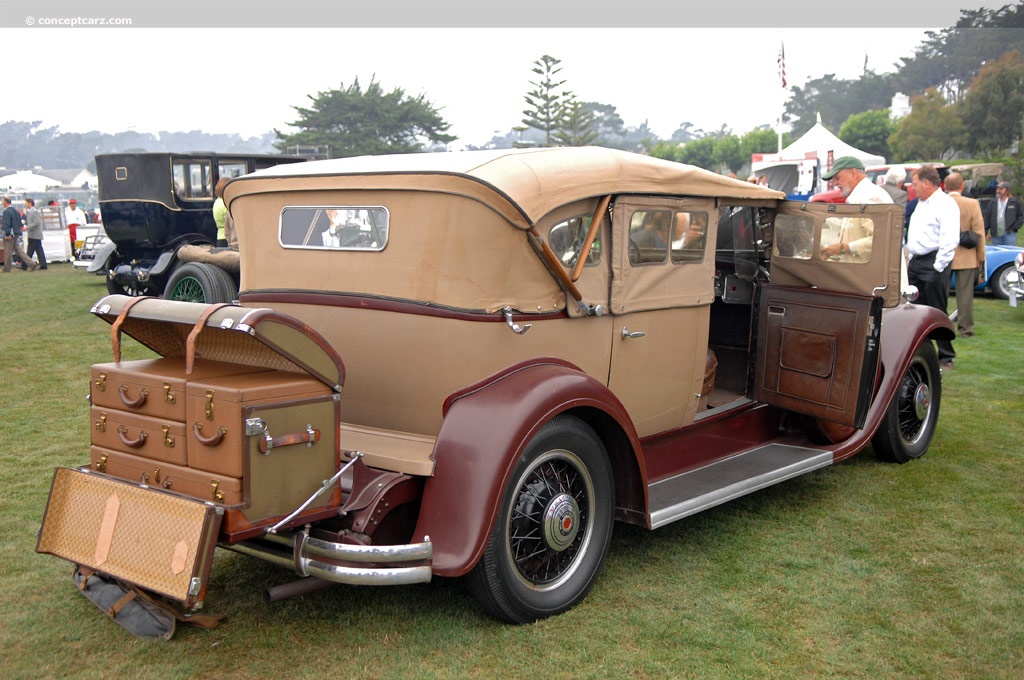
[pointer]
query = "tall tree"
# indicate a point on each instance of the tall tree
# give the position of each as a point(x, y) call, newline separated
point(351, 122)
point(578, 126)
point(931, 132)
point(547, 101)
point(869, 131)
point(950, 59)
point(607, 121)
point(686, 132)
point(993, 107)
point(836, 100)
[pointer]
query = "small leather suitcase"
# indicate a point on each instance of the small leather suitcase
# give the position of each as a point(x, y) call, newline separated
point(182, 480)
point(152, 387)
point(160, 541)
point(216, 407)
point(162, 440)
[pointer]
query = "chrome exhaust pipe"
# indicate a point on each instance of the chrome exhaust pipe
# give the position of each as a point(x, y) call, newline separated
point(385, 559)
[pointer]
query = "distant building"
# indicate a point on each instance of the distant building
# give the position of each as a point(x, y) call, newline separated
point(900, 106)
point(79, 178)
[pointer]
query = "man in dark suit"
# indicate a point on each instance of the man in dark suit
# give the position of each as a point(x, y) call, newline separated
point(1003, 217)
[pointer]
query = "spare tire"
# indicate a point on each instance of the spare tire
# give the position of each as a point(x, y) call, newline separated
point(200, 282)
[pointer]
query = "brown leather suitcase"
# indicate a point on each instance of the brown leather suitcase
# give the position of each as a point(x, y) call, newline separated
point(160, 541)
point(152, 387)
point(161, 440)
point(182, 480)
point(216, 418)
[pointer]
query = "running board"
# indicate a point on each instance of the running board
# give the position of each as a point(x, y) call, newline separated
point(714, 484)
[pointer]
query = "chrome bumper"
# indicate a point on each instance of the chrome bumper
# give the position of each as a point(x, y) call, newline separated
point(315, 557)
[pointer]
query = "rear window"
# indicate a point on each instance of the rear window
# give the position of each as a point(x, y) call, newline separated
point(340, 227)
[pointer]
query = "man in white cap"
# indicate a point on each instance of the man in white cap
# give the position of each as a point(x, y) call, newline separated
point(855, 233)
point(75, 217)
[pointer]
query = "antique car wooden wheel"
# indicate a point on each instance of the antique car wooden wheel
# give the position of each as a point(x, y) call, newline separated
point(910, 419)
point(553, 528)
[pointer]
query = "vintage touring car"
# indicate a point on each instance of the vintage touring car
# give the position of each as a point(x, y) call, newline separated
point(473, 364)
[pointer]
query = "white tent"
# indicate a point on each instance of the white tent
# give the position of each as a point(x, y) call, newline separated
point(24, 181)
point(798, 167)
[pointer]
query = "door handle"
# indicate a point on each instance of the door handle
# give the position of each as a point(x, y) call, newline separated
point(626, 334)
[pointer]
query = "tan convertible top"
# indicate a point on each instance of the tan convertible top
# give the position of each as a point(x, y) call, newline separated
point(523, 184)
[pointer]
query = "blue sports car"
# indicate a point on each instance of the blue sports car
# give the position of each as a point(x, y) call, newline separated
point(999, 267)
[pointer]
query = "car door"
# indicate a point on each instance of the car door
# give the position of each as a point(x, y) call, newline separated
point(661, 292)
point(819, 319)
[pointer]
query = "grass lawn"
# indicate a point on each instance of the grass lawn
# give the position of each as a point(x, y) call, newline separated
point(860, 570)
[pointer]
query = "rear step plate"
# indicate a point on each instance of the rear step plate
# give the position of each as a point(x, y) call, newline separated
point(724, 480)
point(157, 540)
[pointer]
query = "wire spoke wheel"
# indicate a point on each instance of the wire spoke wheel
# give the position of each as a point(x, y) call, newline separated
point(200, 282)
point(911, 418)
point(188, 289)
point(553, 526)
point(550, 523)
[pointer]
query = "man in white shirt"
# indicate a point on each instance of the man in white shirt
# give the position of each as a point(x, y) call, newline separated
point(75, 218)
point(855, 233)
point(932, 239)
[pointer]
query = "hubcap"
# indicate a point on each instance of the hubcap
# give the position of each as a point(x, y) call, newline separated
point(561, 521)
point(550, 520)
point(922, 400)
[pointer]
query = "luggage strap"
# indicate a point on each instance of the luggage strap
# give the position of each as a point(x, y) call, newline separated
point(190, 342)
point(115, 328)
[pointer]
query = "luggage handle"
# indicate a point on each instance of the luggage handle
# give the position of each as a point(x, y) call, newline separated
point(122, 434)
point(197, 430)
point(128, 401)
point(309, 437)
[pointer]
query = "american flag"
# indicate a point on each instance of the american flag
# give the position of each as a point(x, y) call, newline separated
point(782, 64)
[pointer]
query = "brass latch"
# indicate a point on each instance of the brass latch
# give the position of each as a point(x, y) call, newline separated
point(101, 424)
point(218, 495)
point(101, 464)
point(168, 439)
point(168, 395)
point(101, 382)
point(209, 405)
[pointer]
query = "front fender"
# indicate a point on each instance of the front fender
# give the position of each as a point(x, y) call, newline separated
point(903, 329)
point(100, 262)
point(485, 429)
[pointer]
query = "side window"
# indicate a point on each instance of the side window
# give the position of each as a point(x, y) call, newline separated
point(192, 179)
point(566, 240)
point(689, 236)
point(335, 227)
point(794, 236)
point(230, 170)
point(649, 236)
point(847, 239)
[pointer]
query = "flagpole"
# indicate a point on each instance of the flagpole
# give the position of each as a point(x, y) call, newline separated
point(782, 79)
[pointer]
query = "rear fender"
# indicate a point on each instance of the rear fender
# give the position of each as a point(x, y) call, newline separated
point(903, 329)
point(485, 429)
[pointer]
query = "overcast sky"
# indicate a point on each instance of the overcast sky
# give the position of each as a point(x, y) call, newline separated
point(247, 80)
